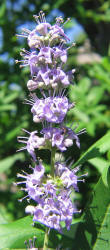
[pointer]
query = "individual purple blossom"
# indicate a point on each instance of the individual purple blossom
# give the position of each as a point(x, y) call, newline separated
point(44, 74)
point(45, 55)
point(59, 52)
point(55, 137)
point(31, 244)
point(68, 176)
point(58, 76)
point(69, 179)
point(29, 59)
point(67, 208)
point(33, 84)
point(32, 61)
point(57, 29)
point(41, 80)
point(33, 182)
point(32, 142)
point(50, 188)
point(42, 26)
point(33, 39)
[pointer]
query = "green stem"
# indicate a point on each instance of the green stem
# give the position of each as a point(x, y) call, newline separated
point(47, 231)
point(46, 239)
point(52, 161)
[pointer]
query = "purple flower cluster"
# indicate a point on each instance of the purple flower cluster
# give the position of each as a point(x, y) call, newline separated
point(51, 193)
point(51, 109)
point(60, 138)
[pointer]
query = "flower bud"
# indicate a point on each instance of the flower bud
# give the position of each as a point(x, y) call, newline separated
point(32, 85)
point(68, 142)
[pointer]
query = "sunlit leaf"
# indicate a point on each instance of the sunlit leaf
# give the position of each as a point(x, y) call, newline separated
point(6, 163)
point(13, 235)
point(95, 226)
point(98, 148)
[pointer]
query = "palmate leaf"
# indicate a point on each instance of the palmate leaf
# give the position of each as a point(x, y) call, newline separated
point(94, 233)
point(14, 234)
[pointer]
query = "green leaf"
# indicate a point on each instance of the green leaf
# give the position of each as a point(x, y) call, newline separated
point(100, 163)
point(95, 229)
point(103, 237)
point(2, 11)
point(11, 97)
point(72, 232)
point(6, 163)
point(7, 107)
point(105, 175)
point(15, 131)
point(14, 234)
point(81, 115)
point(98, 148)
point(58, 3)
point(5, 217)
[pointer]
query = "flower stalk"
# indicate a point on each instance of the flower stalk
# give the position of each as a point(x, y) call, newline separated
point(46, 239)
point(52, 172)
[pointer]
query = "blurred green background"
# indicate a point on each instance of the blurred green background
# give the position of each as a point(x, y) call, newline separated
point(90, 29)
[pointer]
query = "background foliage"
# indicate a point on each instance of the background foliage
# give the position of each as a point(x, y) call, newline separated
point(89, 27)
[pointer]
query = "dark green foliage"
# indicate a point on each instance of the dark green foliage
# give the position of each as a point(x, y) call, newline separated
point(90, 92)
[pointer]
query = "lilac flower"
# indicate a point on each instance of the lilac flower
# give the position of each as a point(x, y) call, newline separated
point(51, 109)
point(45, 216)
point(57, 29)
point(62, 137)
point(30, 59)
point(48, 215)
point(32, 142)
point(53, 211)
point(68, 177)
point(58, 76)
point(45, 55)
point(50, 188)
point(44, 74)
point(58, 52)
point(32, 182)
point(34, 41)
point(51, 195)
point(32, 85)
point(41, 80)
point(31, 245)
point(67, 211)
point(42, 26)
point(54, 202)
point(48, 78)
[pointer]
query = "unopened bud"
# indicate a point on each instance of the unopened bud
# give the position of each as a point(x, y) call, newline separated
point(32, 85)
